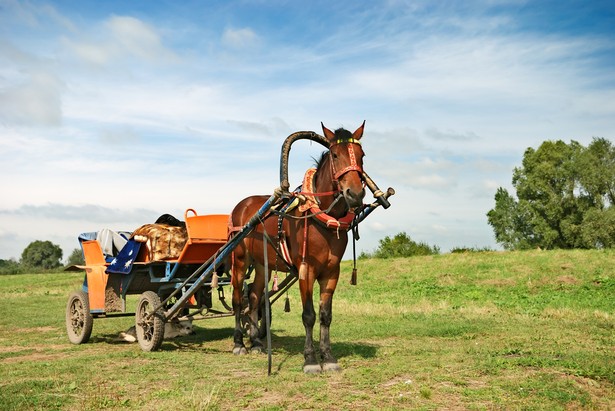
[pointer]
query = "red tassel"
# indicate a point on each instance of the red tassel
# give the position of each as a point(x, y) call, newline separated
point(275, 283)
point(303, 271)
point(353, 278)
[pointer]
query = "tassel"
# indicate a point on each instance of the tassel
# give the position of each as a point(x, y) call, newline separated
point(353, 278)
point(275, 283)
point(303, 271)
point(214, 281)
point(287, 305)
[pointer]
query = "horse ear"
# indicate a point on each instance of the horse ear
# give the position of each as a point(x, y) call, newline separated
point(328, 133)
point(359, 132)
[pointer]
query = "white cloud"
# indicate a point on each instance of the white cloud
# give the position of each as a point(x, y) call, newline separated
point(120, 38)
point(35, 101)
point(239, 38)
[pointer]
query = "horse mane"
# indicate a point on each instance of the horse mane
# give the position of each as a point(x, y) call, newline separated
point(318, 162)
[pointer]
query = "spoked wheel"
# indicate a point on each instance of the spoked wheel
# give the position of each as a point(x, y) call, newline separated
point(79, 321)
point(149, 325)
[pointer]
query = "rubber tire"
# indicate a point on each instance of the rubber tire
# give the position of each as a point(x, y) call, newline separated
point(79, 320)
point(151, 333)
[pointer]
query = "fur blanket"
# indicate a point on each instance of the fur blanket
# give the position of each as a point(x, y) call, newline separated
point(162, 241)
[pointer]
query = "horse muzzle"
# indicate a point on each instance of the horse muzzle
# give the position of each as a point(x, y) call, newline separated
point(354, 199)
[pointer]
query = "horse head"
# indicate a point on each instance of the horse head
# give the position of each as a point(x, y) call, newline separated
point(346, 159)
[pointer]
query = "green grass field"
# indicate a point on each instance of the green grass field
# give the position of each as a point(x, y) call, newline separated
point(488, 330)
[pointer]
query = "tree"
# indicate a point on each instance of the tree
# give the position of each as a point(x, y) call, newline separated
point(76, 257)
point(596, 169)
point(10, 267)
point(401, 246)
point(41, 254)
point(564, 194)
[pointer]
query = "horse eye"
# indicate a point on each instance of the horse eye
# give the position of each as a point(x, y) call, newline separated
point(334, 155)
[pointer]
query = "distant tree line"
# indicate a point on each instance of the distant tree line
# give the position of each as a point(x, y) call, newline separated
point(39, 256)
point(565, 198)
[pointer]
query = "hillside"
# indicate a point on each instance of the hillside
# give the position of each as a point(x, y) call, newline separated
point(457, 331)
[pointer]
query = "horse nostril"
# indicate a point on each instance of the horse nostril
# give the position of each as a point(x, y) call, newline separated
point(354, 199)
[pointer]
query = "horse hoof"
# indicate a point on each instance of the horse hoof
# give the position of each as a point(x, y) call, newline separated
point(240, 350)
point(257, 350)
point(312, 369)
point(331, 367)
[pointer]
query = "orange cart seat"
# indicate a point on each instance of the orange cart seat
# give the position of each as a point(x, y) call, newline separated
point(206, 234)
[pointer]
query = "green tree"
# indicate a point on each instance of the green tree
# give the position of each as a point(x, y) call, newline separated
point(10, 267)
point(401, 245)
point(596, 170)
point(564, 193)
point(41, 254)
point(76, 257)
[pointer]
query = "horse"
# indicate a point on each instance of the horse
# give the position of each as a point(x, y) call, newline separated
point(315, 240)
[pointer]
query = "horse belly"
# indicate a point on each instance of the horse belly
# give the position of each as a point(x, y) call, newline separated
point(251, 248)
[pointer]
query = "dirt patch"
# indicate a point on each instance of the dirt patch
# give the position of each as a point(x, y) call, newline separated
point(600, 393)
point(400, 380)
point(46, 329)
point(37, 356)
point(567, 279)
point(499, 282)
point(18, 348)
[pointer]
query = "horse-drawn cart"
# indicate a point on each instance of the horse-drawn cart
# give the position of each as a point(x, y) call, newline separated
point(182, 287)
point(137, 270)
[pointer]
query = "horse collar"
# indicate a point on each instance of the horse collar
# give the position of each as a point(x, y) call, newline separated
point(313, 206)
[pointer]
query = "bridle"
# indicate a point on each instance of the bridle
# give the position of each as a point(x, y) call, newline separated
point(354, 166)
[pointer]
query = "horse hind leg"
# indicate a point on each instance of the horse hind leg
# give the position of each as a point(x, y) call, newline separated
point(255, 296)
point(237, 280)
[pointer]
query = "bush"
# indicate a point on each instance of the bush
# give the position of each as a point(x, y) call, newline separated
point(401, 245)
point(76, 257)
point(10, 267)
point(456, 250)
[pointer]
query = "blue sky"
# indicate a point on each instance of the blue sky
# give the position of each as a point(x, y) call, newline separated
point(112, 113)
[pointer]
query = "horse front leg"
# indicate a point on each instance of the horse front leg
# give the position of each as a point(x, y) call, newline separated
point(327, 288)
point(306, 288)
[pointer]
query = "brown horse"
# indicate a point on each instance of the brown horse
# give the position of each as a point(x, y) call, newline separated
point(315, 245)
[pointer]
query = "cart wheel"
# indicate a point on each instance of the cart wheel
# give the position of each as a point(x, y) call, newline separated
point(150, 328)
point(79, 321)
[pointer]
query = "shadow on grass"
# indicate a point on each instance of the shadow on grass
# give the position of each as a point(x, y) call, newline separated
point(285, 345)
point(294, 345)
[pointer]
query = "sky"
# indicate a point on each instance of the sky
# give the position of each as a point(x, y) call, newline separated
point(113, 113)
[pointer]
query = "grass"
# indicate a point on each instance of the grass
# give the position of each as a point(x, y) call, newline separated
point(476, 330)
